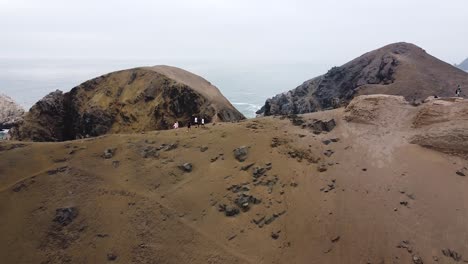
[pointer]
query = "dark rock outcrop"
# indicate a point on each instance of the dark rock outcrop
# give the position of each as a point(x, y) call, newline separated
point(134, 100)
point(10, 112)
point(397, 69)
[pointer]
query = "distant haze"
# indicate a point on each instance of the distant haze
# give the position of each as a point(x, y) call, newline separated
point(330, 32)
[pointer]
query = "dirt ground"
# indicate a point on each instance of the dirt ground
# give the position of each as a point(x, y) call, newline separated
point(360, 193)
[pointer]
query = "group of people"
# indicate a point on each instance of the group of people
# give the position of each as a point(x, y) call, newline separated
point(193, 121)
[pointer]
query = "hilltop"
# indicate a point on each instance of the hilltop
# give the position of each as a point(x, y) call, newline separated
point(396, 69)
point(134, 100)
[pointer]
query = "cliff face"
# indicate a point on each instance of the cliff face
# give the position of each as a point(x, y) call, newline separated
point(10, 112)
point(135, 100)
point(397, 69)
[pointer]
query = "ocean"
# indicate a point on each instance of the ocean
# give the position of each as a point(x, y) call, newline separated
point(245, 84)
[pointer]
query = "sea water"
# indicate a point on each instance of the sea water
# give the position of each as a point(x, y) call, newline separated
point(245, 84)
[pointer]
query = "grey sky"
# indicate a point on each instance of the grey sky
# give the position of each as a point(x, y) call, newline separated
point(329, 31)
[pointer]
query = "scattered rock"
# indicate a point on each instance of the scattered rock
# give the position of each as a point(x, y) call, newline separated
point(319, 126)
point(239, 188)
point(417, 259)
point(328, 152)
point(459, 173)
point(187, 167)
point(275, 142)
point(115, 163)
point(331, 186)
point(65, 216)
point(241, 153)
point(404, 203)
point(203, 148)
point(228, 210)
point(326, 142)
point(246, 167)
point(57, 170)
point(231, 237)
point(296, 120)
point(258, 172)
point(111, 256)
point(335, 239)
point(243, 201)
point(19, 187)
point(322, 167)
point(109, 153)
point(300, 154)
point(405, 244)
point(149, 151)
point(451, 254)
point(275, 235)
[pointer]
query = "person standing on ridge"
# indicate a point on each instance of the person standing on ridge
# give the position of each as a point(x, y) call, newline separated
point(189, 125)
point(195, 121)
point(203, 122)
point(458, 91)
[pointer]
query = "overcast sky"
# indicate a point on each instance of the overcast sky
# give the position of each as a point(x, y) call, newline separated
point(328, 31)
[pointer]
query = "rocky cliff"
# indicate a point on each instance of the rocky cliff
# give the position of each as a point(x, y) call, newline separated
point(10, 112)
point(397, 69)
point(134, 100)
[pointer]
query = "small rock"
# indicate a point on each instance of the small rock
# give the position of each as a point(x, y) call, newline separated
point(203, 148)
point(417, 259)
point(322, 168)
point(111, 256)
point(65, 216)
point(109, 153)
point(335, 239)
point(240, 153)
point(274, 235)
point(246, 167)
point(451, 254)
point(459, 173)
point(231, 211)
point(187, 167)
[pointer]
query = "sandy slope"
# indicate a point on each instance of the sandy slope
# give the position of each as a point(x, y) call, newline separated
point(148, 210)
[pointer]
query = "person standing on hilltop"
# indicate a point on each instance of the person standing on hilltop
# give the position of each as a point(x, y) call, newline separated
point(203, 122)
point(458, 91)
point(195, 121)
point(189, 124)
point(176, 124)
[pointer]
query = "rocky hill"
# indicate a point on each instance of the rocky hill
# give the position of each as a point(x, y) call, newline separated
point(380, 181)
point(134, 100)
point(463, 65)
point(397, 69)
point(10, 112)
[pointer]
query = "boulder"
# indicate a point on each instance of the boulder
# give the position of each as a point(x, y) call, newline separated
point(187, 167)
point(10, 112)
point(64, 216)
point(240, 153)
